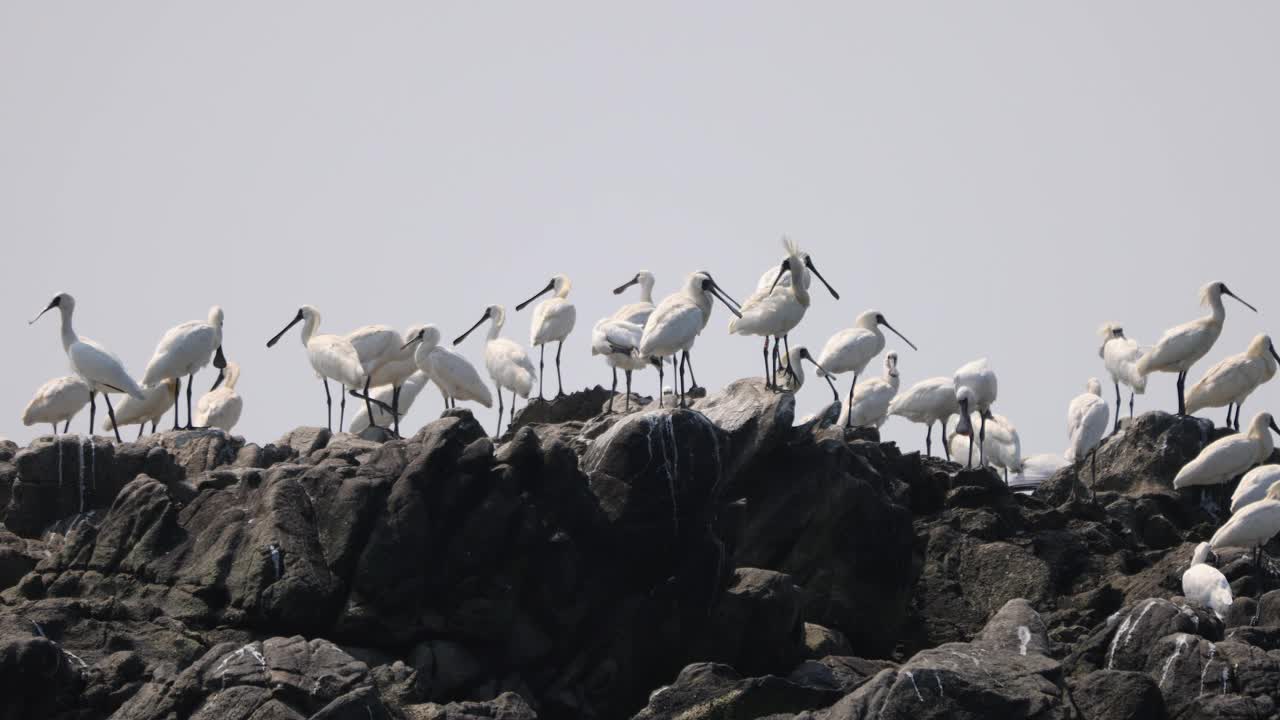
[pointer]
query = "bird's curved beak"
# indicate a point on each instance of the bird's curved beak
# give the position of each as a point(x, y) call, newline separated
point(808, 262)
point(416, 339)
point(895, 332)
point(719, 289)
point(550, 286)
point(723, 297)
point(781, 271)
point(619, 290)
point(1225, 291)
point(219, 360)
point(53, 304)
point(296, 319)
point(222, 373)
point(1274, 429)
point(479, 322)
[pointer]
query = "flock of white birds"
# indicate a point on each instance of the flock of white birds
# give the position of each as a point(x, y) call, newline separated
point(387, 370)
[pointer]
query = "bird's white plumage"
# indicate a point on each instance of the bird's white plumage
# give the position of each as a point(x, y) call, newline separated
point(453, 373)
point(185, 349)
point(1254, 486)
point(221, 407)
point(506, 361)
point(378, 347)
point(676, 322)
point(784, 282)
point(774, 313)
point(1087, 418)
point(1182, 346)
point(96, 366)
point(638, 312)
point(1205, 585)
point(850, 350)
point(619, 342)
point(1235, 378)
point(1120, 357)
point(981, 380)
point(56, 401)
point(553, 318)
point(927, 402)
point(871, 399)
point(1255, 524)
point(1003, 446)
point(157, 401)
point(794, 380)
point(396, 366)
point(1230, 456)
point(410, 388)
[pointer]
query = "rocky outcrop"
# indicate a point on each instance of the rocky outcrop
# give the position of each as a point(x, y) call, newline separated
point(710, 562)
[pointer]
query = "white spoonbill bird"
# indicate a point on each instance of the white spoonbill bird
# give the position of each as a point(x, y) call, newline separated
point(980, 380)
point(770, 314)
point(636, 312)
point(1120, 357)
point(150, 410)
point(871, 402)
point(1182, 346)
point(1205, 584)
point(1254, 485)
point(1230, 456)
point(553, 320)
point(409, 390)
point(927, 402)
point(850, 350)
point(619, 342)
point(333, 357)
point(450, 371)
point(1231, 381)
point(183, 351)
point(1087, 417)
point(791, 376)
point(676, 322)
point(379, 348)
point(101, 370)
point(57, 401)
point(508, 364)
point(1252, 527)
point(221, 406)
point(1002, 445)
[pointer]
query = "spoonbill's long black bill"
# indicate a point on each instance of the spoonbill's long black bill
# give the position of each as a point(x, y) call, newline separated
point(416, 339)
point(53, 304)
point(808, 262)
point(550, 286)
point(781, 271)
point(221, 374)
point(1225, 291)
point(726, 296)
point(895, 332)
point(297, 319)
point(723, 297)
point(479, 322)
point(219, 359)
point(621, 288)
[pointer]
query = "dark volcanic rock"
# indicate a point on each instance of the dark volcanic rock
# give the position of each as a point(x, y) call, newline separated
point(1117, 695)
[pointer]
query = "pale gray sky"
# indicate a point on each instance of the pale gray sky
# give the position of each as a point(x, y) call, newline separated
point(999, 178)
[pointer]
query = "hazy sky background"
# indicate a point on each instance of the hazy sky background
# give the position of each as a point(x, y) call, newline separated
point(999, 178)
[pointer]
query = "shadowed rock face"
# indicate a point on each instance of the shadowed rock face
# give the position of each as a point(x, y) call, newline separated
point(710, 562)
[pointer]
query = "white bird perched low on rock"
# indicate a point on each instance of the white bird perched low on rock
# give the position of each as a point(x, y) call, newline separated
point(619, 342)
point(1230, 456)
point(1232, 380)
point(850, 350)
point(769, 314)
point(182, 351)
point(926, 402)
point(408, 393)
point(332, 357)
point(508, 364)
point(678, 320)
point(1251, 528)
point(1087, 417)
point(1254, 485)
point(1182, 346)
point(149, 410)
point(96, 366)
point(1205, 584)
point(221, 406)
point(1120, 356)
point(57, 401)
point(980, 381)
point(870, 407)
point(1002, 446)
point(791, 377)
point(450, 371)
point(553, 320)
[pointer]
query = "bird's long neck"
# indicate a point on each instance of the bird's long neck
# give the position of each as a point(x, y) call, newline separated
point(495, 327)
point(1265, 444)
point(646, 292)
point(309, 327)
point(1216, 310)
point(233, 375)
point(798, 290)
point(69, 336)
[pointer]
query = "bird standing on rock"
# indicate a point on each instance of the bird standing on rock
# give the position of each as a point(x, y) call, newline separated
point(1087, 417)
point(926, 402)
point(849, 351)
point(553, 320)
point(184, 350)
point(1120, 357)
point(57, 401)
point(1231, 381)
point(1205, 584)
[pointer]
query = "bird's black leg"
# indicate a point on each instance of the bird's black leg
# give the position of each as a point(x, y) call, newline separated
point(848, 418)
point(683, 357)
point(498, 431)
point(1117, 427)
point(970, 463)
point(93, 409)
point(190, 381)
point(368, 406)
point(661, 375)
point(928, 440)
point(154, 424)
point(613, 390)
point(982, 441)
point(342, 412)
point(141, 426)
point(65, 428)
point(1182, 403)
point(628, 401)
point(768, 377)
point(395, 406)
point(1236, 425)
point(1131, 404)
point(1229, 406)
point(559, 382)
point(542, 356)
point(791, 372)
point(176, 395)
point(693, 381)
point(946, 449)
point(111, 413)
point(328, 402)
point(511, 416)
point(55, 427)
